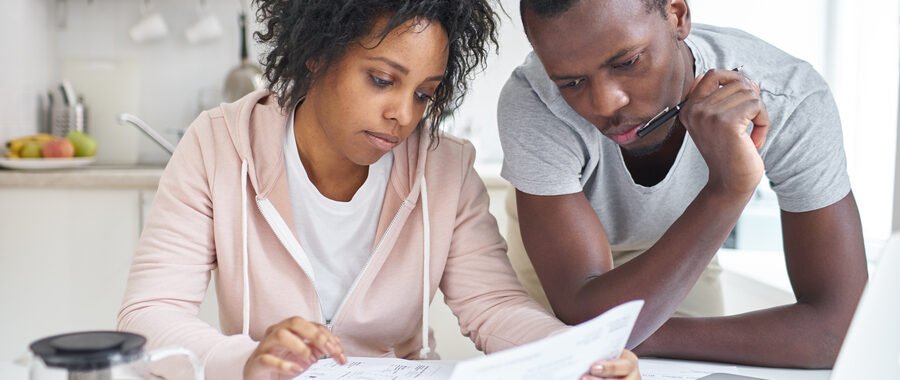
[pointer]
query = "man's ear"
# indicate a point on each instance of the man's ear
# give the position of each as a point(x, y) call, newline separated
point(679, 16)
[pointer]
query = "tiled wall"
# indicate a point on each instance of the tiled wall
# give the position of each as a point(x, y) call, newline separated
point(27, 63)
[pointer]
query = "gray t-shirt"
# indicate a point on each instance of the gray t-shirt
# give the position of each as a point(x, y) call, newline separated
point(550, 150)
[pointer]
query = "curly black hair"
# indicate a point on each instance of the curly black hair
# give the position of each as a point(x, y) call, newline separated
point(297, 31)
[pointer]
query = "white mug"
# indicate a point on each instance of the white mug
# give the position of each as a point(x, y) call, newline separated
point(206, 28)
point(151, 27)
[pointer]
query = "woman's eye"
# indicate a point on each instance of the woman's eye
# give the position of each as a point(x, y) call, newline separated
point(421, 96)
point(380, 82)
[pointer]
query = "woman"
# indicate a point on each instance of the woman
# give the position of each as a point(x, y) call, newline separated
point(312, 201)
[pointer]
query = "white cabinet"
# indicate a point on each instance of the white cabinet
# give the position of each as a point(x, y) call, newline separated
point(64, 259)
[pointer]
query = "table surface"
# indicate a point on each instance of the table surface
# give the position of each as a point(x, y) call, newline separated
point(657, 369)
point(651, 369)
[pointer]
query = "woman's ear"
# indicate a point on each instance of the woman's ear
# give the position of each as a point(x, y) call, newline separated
point(679, 16)
point(312, 65)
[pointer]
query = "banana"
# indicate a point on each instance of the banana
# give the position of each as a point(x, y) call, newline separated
point(16, 144)
point(11, 154)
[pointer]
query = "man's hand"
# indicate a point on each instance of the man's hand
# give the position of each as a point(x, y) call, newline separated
point(290, 347)
point(720, 106)
point(625, 368)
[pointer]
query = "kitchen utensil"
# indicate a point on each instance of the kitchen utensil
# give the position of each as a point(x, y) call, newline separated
point(206, 28)
point(100, 355)
point(68, 92)
point(246, 77)
point(150, 132)
point(45, 163)
point(151, 26)
point(67, 115)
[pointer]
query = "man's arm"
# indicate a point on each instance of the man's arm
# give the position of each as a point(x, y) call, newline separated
point(570, 252)
point(567, 245)
point(827, 265)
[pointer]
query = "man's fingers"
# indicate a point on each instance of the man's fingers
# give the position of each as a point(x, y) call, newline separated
point(611, 368)
point(696, 82)
point(729, 92)
point(760, 128)
point(712, 80)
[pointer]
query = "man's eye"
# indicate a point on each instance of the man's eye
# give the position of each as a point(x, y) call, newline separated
point(572, 83)
point(628, 64)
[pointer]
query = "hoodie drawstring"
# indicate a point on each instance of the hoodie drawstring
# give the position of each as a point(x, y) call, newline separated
point(245, 329)
point(426, 271)
point(426, 262)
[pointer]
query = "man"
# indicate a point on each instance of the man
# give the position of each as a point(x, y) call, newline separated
point(608, 216)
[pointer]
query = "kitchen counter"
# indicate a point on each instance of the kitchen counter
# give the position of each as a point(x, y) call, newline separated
point(91, 177)
point(141, 177)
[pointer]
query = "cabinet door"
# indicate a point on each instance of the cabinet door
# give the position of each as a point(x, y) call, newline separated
point(64, 259)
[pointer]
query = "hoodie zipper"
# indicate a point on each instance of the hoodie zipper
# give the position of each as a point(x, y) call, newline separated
point(279, 231)
point(387, 232)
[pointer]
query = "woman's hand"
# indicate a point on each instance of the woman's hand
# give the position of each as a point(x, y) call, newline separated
point(292, 346)
point(625, 368)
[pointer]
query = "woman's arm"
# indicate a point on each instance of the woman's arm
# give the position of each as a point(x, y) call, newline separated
point(173, 263)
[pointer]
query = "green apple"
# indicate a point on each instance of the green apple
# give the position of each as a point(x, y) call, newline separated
point(31, 149)
point(85, 146)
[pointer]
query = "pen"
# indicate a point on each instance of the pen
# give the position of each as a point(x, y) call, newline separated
point(666, 114)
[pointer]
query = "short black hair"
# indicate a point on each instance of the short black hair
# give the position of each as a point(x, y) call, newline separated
point(297, 31)
point(553, 8)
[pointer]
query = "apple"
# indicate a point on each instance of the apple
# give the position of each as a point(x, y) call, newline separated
point(31, 149)
point(59, 147)
point(84, 145)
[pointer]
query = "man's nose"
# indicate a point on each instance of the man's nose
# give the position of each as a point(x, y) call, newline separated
point(607, 98)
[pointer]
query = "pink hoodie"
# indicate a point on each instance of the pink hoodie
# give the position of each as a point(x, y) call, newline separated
point(223, 205)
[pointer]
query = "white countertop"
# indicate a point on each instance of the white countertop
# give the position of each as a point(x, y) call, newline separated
point(90, 177)
point(144, 177)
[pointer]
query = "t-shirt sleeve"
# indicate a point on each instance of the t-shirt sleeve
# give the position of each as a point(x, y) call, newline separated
point(542, 155)
point(805, 160)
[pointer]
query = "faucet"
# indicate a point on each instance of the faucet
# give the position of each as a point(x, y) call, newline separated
point(150, 132)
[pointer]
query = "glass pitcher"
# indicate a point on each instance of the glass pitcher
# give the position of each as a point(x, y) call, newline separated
point(105, 355)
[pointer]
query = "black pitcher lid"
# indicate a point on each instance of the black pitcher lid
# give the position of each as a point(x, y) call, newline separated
point(89, 350)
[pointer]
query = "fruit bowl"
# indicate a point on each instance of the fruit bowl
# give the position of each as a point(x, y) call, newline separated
point(44, 163)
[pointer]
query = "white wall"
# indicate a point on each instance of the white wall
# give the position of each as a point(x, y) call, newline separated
point(479, 111)
point(172, 74)
point(27, 63)
point(852, 42)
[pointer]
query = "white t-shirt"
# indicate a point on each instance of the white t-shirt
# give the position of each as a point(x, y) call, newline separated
point(337, 236)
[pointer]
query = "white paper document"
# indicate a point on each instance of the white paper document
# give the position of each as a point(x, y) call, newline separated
point(565, 356)
point(675, 370)
point(379, 369)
